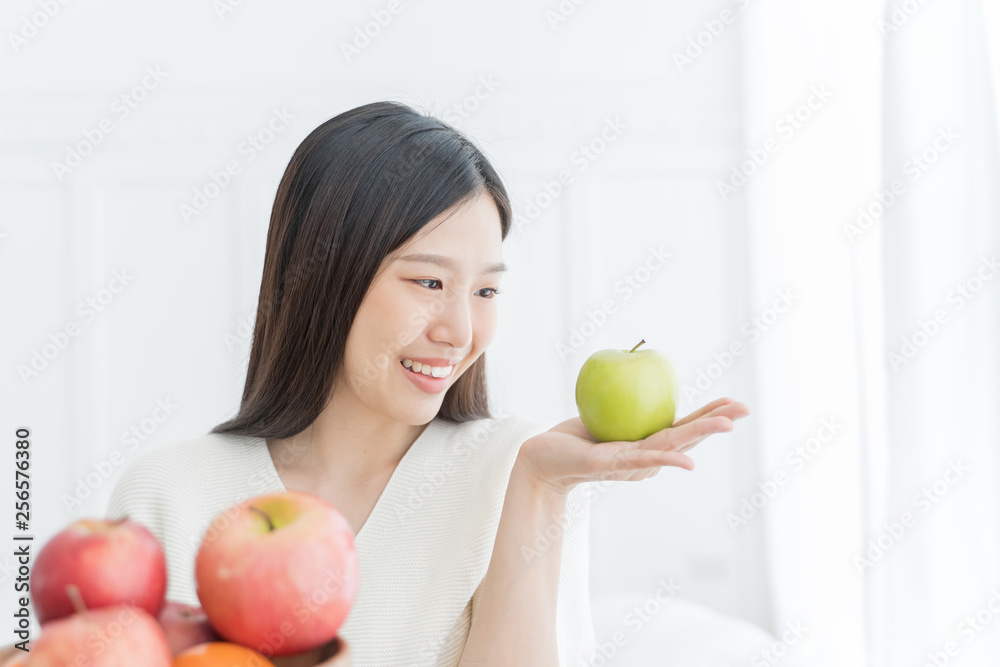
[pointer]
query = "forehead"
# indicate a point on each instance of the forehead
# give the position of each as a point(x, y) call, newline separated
point(446, 262)
point(465, 237)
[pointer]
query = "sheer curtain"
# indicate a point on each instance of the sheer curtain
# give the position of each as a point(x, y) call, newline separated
point(878, 397)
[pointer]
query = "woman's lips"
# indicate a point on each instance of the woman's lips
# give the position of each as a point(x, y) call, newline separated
point(426, 383)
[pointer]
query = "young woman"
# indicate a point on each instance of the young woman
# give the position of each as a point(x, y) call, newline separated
point(366, 386)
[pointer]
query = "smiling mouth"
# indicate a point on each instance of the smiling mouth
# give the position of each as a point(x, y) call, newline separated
point(434, 372)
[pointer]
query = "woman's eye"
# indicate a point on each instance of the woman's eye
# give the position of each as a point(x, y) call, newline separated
point(493, 290)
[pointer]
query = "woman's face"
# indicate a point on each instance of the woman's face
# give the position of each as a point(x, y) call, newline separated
point(433, 300)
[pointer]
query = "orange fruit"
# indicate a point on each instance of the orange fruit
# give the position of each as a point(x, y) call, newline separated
point(221, 654)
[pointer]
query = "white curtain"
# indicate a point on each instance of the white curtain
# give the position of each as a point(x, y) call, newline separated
point(878, 207)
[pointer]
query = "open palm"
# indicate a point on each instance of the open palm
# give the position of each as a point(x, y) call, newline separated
point(568, 454)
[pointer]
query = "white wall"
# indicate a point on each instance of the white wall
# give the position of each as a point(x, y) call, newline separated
point(168, 335)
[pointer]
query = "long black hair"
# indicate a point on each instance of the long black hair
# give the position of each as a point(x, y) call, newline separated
point(356, 189)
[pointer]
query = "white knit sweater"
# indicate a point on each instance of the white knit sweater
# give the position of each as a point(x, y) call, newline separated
point(423, 551)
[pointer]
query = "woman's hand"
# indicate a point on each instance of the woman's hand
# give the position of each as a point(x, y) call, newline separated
point(567, 454)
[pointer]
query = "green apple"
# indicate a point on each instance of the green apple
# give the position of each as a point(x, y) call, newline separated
point(627, 394)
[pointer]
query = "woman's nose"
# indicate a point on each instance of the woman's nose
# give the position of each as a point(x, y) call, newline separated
point(453, 324)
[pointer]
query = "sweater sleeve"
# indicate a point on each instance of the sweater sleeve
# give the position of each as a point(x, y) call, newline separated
point(134, 496)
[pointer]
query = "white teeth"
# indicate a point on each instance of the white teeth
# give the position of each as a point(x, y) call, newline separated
point(432, 371)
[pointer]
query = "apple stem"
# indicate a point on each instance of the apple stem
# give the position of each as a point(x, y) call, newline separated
point(74, 596)
point(270, 524)
point(638, 344)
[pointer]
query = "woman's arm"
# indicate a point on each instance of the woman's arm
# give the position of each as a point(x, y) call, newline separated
point(515, 621)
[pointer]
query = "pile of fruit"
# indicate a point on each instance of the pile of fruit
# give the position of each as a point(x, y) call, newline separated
point(276, 575)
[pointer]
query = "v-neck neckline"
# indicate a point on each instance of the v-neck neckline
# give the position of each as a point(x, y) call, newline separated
point(389, 486)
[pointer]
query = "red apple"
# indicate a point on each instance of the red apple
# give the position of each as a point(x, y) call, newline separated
point(115, 636)
point(185, 626)
point(111, 562)
point(278, 572)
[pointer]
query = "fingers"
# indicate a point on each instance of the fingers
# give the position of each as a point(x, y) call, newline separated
point(685, 436)
point(722, 406)
point(704, 410)
point(633, 459)
point(698, 430)
point(641, 459)
point(722, 423)
point(734, 410)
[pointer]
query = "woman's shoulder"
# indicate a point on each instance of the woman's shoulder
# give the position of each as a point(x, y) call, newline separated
point(485, 447)
point(177, 472)
point(504, 426)
point(189, 456)
point(503, 430)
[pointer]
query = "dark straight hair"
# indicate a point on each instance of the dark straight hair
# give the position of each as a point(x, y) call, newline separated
point(356, 189)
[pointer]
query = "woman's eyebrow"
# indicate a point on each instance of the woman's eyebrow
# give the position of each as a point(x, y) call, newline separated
point(447, 263)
